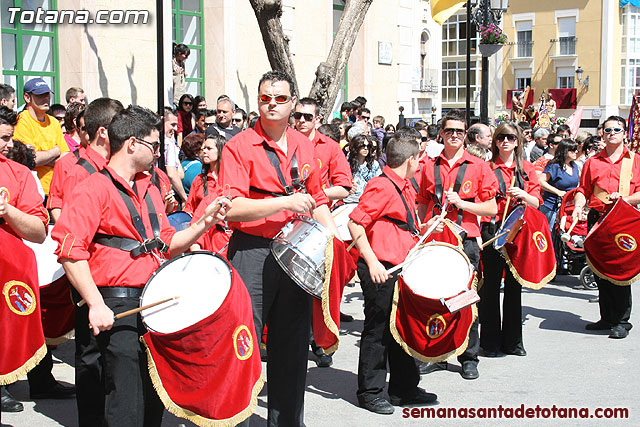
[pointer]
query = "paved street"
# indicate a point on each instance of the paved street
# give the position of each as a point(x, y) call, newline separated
point(565, 366)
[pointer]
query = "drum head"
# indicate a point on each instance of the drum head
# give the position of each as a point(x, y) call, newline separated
point(341, 218)
point(438, 270)
point(202, 281)
point(515, 215)
point(49, 270)
point(179, 220)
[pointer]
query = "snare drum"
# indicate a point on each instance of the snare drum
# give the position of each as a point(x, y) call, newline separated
point(179, 220)
point(49, 270)
point(201, 280)
point(510, 228)
point(299, 249)
point(341, 218)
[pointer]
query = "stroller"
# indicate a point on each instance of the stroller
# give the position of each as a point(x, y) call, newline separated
point(571, 253)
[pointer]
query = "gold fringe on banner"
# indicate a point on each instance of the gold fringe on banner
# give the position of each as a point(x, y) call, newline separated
point(191, 416)
point(63, 338)
point(531, 285)
point(413, 353)
point(605, 277)
point(326, 313)
point(31, 363)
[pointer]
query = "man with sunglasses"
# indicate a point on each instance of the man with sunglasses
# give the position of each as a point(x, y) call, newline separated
point(204, 119)
point(272, 173)
point(602, 172)
point(469, 186)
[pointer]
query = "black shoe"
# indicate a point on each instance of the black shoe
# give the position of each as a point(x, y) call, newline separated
point(596, 299)
point(469, 370)
point(345, 317)
point(618, 332)
point(378, 405)
point(518, 351)
point(425, 368)
point(9, 404)
point(600, 325)
point(489, 353)
point(56, 391)
point(419, 397)
point(324, 360)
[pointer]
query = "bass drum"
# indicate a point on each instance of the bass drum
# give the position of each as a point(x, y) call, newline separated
point(341, 218)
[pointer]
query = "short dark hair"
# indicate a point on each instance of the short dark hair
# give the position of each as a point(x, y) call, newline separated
point(346, 106)
point(167, 111)
point(56, 108)
point(331, 130)
point(407, 132)
point(8, 116)
point(99, 113)
point(133, 121)
point(181, 48)
point(617, 119)
point(400, 148)
point(565, 128)
point(361, 99)
point(22, 154)
point(241, 111)
point(278, 76)
point(524, 125)
point(552, 136)
point(420, 125)
point(363, 110)
point(432, 131)
point(72, 92)
point(73, 110)
point(205, 112)
point(310, 101)
point(473, 132)
point(6, 91)
point(191, 145)
point(456, 115)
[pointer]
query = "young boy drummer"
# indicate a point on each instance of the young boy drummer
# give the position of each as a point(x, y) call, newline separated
point(385, 227)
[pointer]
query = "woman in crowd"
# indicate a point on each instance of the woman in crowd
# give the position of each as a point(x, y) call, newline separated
point(186, 118)
point(207, 182)
point(192, 166)
point(71, 135)
point(199, 103)
point(363, 160)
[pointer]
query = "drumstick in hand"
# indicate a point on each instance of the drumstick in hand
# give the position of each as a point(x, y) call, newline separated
point(494, 238)
point(506, 207)
point(139, 309)
point(209, 212)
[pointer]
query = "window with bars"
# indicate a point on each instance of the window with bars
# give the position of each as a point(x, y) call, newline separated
point(188, 28)
point(567, 36)
point(630, 62)
point(29, 50)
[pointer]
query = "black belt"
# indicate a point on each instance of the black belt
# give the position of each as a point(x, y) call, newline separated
point(120, 292)
point(130, 245)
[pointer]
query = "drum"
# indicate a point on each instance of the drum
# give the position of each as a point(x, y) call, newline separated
point(299, 248)
point(512, 224)
point(201, 280)
point(179, 220)
point(49, 270)
point(341, 218)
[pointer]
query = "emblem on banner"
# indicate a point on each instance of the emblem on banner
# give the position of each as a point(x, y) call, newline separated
point(306, 171)
point(436, 326)
point(19, 297)
point(4, 194)
point(466, 187)
point(626, 242)
point(540, 241)
point(242, 342)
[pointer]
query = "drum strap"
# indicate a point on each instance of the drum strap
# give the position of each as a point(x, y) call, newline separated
point(415, 185)
point(275, 162)
point(205, 182)
point(411, 221)
point(437, 197)
point(87, 166)
point(624, 186)
point(76, 153)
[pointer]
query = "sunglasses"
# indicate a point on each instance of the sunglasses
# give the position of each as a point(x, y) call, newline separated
point(235, 121)
point(453, 131)
point(424, 138)
point(613, 130)
point(508, 136)
point(59, 118)
point(364, 146)
point(365, 117)
point(208, 124)
point(187, 103)
point(280, 99)
point(307, 116)
point(153, 145)
point(575, 149)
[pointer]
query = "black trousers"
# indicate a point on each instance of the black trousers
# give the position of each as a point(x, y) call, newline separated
point(377, 346)
point(129, 397)
point(472, 251)
point(40, 377)
point(496, 334)
point(284, 307)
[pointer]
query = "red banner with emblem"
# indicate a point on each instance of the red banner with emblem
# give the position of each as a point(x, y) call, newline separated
point(612, 245)
point(425, 328)
point(339, 269)
point(531, 257)
point(21, 339)
point(210, 373)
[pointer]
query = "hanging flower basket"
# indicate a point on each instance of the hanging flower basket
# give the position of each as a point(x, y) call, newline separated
point(489, 49)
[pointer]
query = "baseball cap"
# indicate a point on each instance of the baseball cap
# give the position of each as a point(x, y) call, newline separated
point(37, 86)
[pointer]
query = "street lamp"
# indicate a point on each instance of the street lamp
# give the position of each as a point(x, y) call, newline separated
point(580, 75)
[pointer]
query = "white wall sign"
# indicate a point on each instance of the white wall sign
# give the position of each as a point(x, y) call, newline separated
point(385, 53)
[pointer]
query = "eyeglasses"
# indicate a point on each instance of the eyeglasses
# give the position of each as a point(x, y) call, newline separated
point(280, 99)
point(508, 136)
point(153, 145)
point(574, 149)
point(613, 130)
point(453, 131)
point(208, 124)
point(235, 121)
point(83, 128)
point(365, 117)
point(187, 103)
point(424, 139)
point(307, 116)
point(59, 118)
point(364, 146)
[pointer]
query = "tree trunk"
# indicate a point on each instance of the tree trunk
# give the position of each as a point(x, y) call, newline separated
point(330, 74)
point(268, 13)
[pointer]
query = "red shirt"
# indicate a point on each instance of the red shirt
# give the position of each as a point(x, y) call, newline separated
point(532, 186)
point(389, 242)
point(479, 184)
point(77, 173)
point(19, 188)
point(541, 163)
point(95, 206)
point(60, 172)
point(599, 170)
point(245, 164)
point(334, 167)
point(196, 193)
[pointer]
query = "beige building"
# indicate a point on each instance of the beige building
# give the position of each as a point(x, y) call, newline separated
point(395, 60)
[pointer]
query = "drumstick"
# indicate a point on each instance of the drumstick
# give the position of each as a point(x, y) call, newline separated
point(139, 309)
point(209, 212)
point(506, 207)
point(494, 238)
point(353, 243)
point(565, 237)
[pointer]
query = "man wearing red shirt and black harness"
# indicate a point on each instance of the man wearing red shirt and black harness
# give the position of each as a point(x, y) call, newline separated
point(262, 205)
point(100, 235)
point(470, 186)
point(603, 171)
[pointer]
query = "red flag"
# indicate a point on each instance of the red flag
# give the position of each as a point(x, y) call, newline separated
point(21, 339)
point(339, 269)
point(612, 245)
point(531, 257)
point(210, 373)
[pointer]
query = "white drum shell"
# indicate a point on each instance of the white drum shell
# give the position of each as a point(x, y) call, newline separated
point(49, 269)
point(438, 270)
point(201, 280)
point(341, 218)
